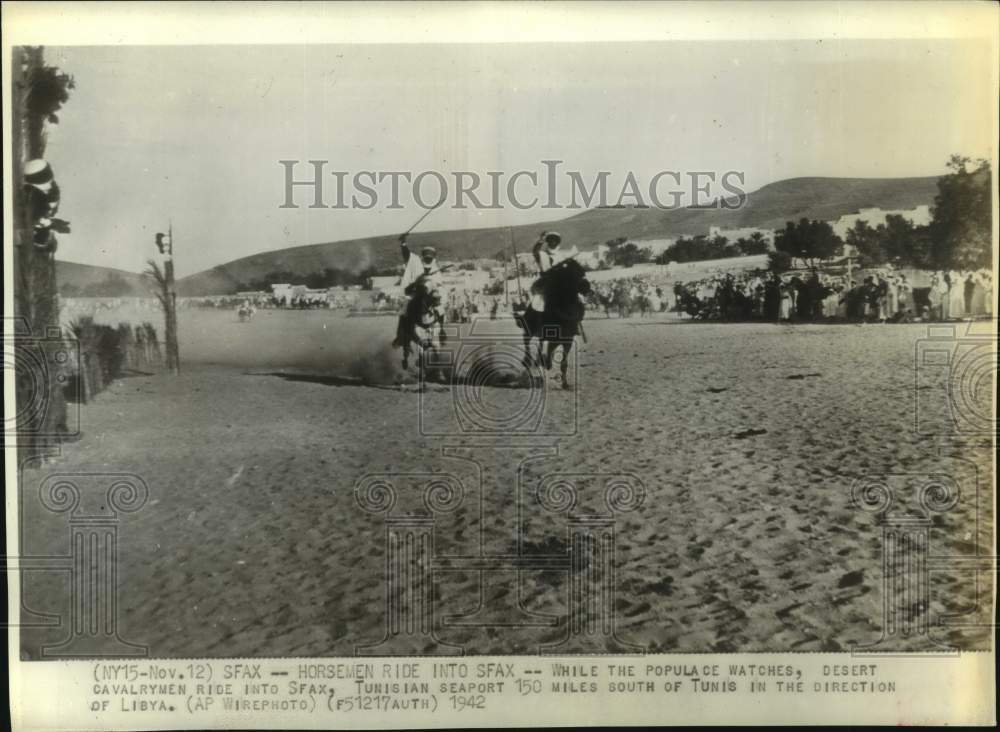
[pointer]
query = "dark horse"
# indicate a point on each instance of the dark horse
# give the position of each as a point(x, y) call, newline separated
point(418, 322)
point(559, 324)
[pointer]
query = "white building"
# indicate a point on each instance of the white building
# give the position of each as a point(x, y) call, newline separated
point(595, 257)
point(282, 291)
point(288, 293)
point(465, 280)
point(919, 216)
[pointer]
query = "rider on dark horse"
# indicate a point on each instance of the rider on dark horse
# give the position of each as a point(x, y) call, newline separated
point(555, 312)
point(421, 279)
point(548, 255)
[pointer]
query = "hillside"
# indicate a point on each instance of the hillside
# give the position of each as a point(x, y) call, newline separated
point(769, 207)
point(76, 278)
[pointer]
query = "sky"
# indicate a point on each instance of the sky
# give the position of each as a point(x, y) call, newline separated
point(192, 136)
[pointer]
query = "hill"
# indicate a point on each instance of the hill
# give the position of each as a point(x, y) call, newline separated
point(86, 279)
point(769, 207)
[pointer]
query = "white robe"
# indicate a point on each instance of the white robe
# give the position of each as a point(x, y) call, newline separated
point(416, 267)
point(547, 258)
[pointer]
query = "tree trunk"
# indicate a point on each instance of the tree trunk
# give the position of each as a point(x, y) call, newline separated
point(170, 317)
point(41, 402)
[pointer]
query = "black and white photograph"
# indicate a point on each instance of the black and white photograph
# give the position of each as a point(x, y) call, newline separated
point(537, 349)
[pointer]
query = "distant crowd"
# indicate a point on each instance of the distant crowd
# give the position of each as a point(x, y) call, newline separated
point(309, 301)
point(883, 295)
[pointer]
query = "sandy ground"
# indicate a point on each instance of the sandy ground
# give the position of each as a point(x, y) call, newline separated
point(747, 439)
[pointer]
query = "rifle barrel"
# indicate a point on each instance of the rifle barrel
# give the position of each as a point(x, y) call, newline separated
point(426, 214)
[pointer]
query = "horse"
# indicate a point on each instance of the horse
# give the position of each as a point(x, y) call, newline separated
point(622, 300)
point(644, 305)
point(416, 329)
point(559, 324)
point(245, 312)
point(601, 301)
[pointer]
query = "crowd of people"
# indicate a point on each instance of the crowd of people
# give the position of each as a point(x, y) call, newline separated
point(73, 308)
point(629, 295)
point(309, 301)
point(879, 295)
point(883, 295)
point(460, 307)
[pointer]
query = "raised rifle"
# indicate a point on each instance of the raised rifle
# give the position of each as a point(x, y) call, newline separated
point(402, 237)
point(444, 268)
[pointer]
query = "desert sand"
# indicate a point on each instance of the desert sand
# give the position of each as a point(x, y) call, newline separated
point(747, 439)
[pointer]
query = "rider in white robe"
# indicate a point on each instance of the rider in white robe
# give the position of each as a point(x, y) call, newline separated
point(426, 266)
point(423, 267)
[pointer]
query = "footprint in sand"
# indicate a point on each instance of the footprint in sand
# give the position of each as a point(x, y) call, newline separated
point(851, 579)
point(664, 587)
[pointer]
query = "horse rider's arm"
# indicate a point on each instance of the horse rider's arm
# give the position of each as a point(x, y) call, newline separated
point(536, 252)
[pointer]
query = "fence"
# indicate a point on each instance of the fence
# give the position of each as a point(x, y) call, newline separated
point(107, 353)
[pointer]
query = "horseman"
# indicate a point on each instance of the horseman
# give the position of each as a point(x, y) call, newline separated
point(419, 272)
point(555, 312)
point(547, 255)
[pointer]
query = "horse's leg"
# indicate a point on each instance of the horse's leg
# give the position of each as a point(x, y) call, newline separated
point(527, 348)
point(550, 348)
point(567, 345)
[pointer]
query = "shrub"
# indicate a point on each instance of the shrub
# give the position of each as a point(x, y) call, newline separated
point(108, 353)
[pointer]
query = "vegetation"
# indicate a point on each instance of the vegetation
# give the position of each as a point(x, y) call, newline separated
point(779, 262)
point(495, 288)
point(754, 244)
point(623, 253)
point(107, 353)
point(960, 231)
point(809, 241)
point(816, 198)
point(957, 238)
point(38, 92)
